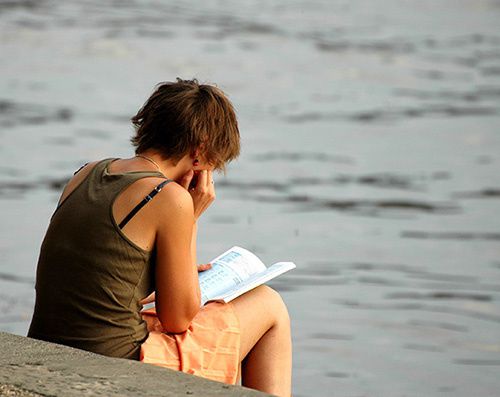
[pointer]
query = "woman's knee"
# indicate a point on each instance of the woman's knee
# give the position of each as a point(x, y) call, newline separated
point(262, 303)
point(259, 311)
point(274, 304)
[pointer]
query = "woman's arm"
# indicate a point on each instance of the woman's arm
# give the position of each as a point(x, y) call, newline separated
point(178, 294)
point(177, 287)
point(193, 242)
point(152, 296)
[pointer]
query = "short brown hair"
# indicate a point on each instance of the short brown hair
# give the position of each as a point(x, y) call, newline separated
point(184, 115)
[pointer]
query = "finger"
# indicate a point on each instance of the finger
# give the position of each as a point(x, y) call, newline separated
point(202, 179)
point(186, 179)
point(205, 266)
point(148, 299)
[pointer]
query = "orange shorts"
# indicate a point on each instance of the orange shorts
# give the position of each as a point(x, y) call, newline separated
point(210, 348)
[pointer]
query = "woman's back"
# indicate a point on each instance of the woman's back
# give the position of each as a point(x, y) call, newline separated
point(90, 276)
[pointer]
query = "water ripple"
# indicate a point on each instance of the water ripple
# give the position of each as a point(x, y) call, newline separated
point(478, 361)
point(438, 295)
point(455, 235)
point(478, 194)
point(361, 206)
point(15, 113)
point(387, 115)
point(16, 278)
point(486, 316)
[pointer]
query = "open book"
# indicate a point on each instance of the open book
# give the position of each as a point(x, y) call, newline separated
point(235, 272)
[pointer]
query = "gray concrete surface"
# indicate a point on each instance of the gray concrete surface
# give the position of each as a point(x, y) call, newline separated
point(29, 367)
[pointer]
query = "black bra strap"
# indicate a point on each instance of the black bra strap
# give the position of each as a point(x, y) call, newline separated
point(79, 169)
point(146, 200)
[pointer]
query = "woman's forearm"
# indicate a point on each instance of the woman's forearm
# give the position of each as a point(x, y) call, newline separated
point(151, 298)
point(193, 255)
point(193, 243)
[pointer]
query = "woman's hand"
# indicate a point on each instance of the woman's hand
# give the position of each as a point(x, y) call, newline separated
point(148, 299)
point(202, 190)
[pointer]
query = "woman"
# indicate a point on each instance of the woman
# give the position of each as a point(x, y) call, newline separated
point(124, 234)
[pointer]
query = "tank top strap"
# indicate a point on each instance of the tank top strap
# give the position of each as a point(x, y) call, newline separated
point(102, 168)
point(100, 188)
point(115, 183)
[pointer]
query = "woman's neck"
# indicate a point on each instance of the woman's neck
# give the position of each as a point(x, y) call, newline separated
point(166, 166)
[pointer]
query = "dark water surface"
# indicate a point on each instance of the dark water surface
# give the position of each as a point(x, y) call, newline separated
point(371, 158)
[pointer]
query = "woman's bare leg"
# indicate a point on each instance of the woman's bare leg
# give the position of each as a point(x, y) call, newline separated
point(266, 347)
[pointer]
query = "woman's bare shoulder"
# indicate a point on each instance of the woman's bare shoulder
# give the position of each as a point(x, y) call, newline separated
point(175, 200)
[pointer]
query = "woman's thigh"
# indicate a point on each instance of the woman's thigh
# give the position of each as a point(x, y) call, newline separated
point(258, 311)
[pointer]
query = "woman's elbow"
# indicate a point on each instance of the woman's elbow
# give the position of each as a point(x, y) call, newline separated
point(178, 323)
point(176, 327)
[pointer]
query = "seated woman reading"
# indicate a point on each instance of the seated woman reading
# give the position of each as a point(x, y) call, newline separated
point(124, 234)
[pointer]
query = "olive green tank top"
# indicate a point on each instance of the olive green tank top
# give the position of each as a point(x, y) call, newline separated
point(90, 276)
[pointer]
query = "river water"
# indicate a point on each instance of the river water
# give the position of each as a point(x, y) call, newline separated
point(371, 158)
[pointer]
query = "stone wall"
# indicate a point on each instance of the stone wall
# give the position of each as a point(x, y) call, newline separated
point(29, 367)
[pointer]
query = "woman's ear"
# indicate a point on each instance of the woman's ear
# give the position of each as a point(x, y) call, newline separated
point(195, 157)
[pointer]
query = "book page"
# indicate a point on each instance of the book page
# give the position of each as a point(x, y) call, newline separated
point(228, 271)
point(255, 280)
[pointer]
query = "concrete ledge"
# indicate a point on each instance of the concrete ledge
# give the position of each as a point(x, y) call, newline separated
point(29, 367)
